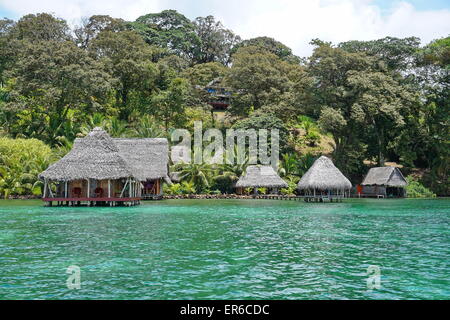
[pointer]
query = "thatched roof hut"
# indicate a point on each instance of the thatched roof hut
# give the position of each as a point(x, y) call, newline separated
point(96, 156)
point(385, 176)
point(323, 175)
point(100, 157)
point(261, 177)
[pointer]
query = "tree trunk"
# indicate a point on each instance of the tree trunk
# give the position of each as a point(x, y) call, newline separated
point(212, 117)
point(381, 148)
point(124, 99)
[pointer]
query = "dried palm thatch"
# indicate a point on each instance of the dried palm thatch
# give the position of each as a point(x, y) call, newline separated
point(385, 176)
point(148, 158)
point(323, 175)
point(98, 156)
point(261, 177)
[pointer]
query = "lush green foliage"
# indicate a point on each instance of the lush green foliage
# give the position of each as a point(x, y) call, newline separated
point(177, 189)
point(415, 189)
point(21, 160)
point(381, 100)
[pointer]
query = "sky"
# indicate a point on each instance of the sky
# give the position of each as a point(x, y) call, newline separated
point(293, 22)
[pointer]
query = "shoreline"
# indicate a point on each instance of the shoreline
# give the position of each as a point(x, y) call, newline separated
point(215, 196)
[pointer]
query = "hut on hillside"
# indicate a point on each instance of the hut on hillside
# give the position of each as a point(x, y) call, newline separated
point(323, 181)
point(260, 177)
point(100, 170)
point(384, 182)
point(218, 96)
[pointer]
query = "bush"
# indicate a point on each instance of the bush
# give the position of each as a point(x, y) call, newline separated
point(417, 190)
point(292, 187)
point(21, 160)
point(177, 189)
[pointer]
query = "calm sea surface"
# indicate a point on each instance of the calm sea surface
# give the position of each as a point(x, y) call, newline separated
point(231, 249)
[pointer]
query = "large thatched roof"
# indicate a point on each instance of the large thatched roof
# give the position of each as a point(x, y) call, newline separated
point(148, 158)
point(323, 175)
point(261, 177)
point(385, 176)
point(98, 156)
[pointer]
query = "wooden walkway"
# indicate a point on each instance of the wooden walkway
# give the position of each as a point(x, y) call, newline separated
point(316, 198)
point(152, 197)
point(92, 202)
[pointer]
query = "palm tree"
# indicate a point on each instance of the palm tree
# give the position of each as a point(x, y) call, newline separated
point(117, 128)
point(312, 134)
point(96, 120)
point(198, 174)
point(148, 128)
point(289, 165)
point(305, 162)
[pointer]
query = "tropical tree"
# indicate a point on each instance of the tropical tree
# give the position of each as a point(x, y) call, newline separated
point(128, 60)
point(168, 105)
point(202, 74)
point(260, 78)
point(198, 174)
point(216, 42)
point(51, 79)
point(168, 29)
point(271, 45)
point(41, 27)
point(92, 27)
point(148, 127)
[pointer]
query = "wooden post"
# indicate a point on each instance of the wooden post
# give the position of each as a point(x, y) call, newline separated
point(126, 183)
point(130, 190)
point(88, 188)
point(45, 188)
point(65, 189)
point(50, 190)
point(109, 188)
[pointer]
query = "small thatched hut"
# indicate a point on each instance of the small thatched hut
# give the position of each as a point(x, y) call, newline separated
point(260, 177)
point(384, 182)
point(101, 170)
point(323, 179)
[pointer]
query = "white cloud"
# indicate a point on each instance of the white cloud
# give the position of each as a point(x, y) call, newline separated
point(74, 10)
point(293, 22)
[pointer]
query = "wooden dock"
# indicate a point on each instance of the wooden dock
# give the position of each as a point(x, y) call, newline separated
point(152, 197)
point(92, 202)
point(317, 198)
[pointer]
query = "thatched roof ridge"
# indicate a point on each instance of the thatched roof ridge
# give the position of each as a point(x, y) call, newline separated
point(96, 156)
point(385, 176)
point(261, 177)
point(147, 157)
point(323, 175)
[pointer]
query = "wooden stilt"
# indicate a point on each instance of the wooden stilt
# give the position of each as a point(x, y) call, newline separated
point(45, 188)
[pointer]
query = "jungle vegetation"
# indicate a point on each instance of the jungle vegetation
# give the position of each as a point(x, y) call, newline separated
point(362, 102)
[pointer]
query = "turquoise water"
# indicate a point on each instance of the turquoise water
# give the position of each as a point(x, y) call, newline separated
point(230, 249)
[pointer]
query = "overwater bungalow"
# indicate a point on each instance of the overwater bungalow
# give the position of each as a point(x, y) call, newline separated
point(260, 177)
point(384, 182)
point(324, 182)
point(100, 170)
